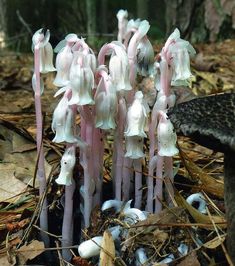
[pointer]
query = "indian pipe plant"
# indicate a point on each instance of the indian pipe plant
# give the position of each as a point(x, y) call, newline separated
point(102, 90)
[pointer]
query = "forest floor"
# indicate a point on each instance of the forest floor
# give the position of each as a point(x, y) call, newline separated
point(199, 169)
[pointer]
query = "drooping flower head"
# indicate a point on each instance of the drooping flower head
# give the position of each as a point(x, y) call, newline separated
point(41, 42)
point(64, 59)
point(105, 101)
point(118, 64)
point(122, 16)
point(136, 117)
point(140, 32)
point(176, 52)
point(63, 123)
point(166, 136)
point(134, 147)
point(145, 57)
point(81, 81)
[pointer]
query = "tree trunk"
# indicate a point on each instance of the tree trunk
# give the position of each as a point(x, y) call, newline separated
point(104, 28)
point(91, 21)
point(3, 23)
point(142, 9)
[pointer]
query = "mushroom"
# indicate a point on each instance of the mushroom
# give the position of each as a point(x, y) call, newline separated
point(210, 121)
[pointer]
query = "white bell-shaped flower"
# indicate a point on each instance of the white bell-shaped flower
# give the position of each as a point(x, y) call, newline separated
point(177, 52)
point(133, 25)
point(118, 64)
point(59, 119)
point(166, 137)
point(133, 215)
point(82, 83)
point(105, 104)
point(134, 147)
point(136, 117)
point(69, 127)
point(67, 164)
point(91, 247)
point(131, 28)
point(199, 198)
point(46, 59)
point(90, 61)
point(145, 57)
point(119, 71)
point(181, 68)
point(41, 41)
point(64, 60)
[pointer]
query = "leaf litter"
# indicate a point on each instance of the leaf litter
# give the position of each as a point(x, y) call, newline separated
point(161, 234)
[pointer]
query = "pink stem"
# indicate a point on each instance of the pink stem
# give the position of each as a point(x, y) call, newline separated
point(126, 180)
point(41, 168)
point(87, 164)
point(152, 167)
point(138, 183)
point(169, 179)
point(119, 167)
point(158, 185)
point(67, 228)
point(118, 146)
point(98, 151)
point(149, 206)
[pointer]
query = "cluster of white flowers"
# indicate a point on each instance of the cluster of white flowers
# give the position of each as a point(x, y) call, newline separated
point(105, 96)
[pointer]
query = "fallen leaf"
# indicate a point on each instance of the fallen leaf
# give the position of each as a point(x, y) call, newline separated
point(29, 252)
point(215, 242)
point(208, 183)
point(211, 78)
point(200, 218)
point(18, 164)
point(5, 262)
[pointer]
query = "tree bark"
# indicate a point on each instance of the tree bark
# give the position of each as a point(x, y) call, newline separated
point(142, 9)
point(91, 21)
point(3, 23)
point(104, 28)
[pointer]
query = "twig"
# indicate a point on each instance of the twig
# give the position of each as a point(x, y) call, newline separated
point(221, 241)
point(26, 25)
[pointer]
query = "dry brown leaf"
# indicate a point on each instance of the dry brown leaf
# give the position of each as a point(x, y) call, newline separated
point(107, 253)
point(211, 78)
point(18, 164)
point(78, 261)
point(4, 261)
point(200, 218)
point(10, 186)
point(209, 184)
point(215, 242)
point(29, 252)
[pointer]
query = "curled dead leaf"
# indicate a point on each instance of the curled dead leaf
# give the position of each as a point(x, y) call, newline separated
point(202, 219)
point(107, 253)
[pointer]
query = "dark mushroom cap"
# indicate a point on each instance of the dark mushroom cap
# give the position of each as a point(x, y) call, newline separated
point(209, 120)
